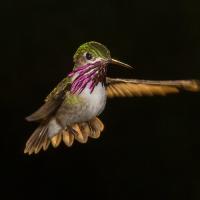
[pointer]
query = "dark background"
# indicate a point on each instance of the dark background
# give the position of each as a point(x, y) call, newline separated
point(150, 147)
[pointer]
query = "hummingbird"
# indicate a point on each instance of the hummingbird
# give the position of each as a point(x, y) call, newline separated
point(70, 112)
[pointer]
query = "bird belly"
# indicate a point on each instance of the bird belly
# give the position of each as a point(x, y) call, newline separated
point(89, 106)
point(94, 102)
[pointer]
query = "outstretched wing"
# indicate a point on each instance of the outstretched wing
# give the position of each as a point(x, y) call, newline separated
point(134, 87)
point(52, 101)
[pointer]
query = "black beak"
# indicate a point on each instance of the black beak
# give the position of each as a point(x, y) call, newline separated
point(117, 62)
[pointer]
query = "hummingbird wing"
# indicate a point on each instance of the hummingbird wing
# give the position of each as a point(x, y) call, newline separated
point(135, 87)
point(52, 101)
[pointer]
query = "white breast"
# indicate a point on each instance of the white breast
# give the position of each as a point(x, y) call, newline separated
point(95, 101)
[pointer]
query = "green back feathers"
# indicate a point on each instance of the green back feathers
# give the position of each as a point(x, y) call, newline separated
point(59, 89)
point(94, 48)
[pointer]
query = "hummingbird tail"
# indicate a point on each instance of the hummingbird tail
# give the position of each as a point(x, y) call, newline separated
point(41, 139)
point(38, 140)
point(80, 132)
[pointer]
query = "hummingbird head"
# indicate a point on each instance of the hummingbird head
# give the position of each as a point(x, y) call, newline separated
point(90, 66)
point(91, 52)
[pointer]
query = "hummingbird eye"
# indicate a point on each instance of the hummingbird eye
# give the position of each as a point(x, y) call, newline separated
point(88, 56)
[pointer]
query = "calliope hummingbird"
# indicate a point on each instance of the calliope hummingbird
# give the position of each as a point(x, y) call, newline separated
point(70, 112)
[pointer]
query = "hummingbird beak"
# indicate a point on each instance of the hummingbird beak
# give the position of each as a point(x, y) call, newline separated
point(117, 62)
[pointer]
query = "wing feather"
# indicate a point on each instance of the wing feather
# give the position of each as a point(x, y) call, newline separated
point(52, 101)
point(136, 87)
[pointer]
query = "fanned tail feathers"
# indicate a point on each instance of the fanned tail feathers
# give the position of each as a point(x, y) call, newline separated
point(80, 132)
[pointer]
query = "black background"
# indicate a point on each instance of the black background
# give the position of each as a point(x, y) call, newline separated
point(150, 147)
